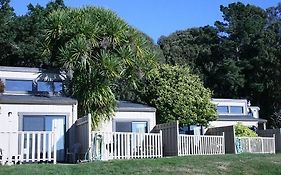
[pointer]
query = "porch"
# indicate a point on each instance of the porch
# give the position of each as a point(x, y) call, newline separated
point(27, 147)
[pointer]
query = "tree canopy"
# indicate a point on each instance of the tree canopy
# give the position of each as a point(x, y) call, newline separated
point(97, 49)
point(21, 37)
point(178, 95)
point(237, 58)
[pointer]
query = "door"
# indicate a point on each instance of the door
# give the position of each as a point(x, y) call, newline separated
point(57, 124)
point(48, 123)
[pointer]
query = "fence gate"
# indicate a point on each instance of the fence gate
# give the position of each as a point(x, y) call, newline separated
point(175, 144)
point(255, 144)
point(126, 145)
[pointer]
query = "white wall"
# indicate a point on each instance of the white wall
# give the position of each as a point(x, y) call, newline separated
point(12, 123)
point(149, 117)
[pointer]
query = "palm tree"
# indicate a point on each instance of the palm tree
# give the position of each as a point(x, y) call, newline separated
point(97, 49)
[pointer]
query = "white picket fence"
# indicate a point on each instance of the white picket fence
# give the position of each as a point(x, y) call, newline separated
point(125, 145)
point(27, 146)
point(255, 144)
point(200, 145)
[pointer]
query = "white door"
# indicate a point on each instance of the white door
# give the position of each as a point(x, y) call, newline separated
point(57, 124)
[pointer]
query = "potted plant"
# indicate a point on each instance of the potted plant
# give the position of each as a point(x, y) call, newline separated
point(2, 86)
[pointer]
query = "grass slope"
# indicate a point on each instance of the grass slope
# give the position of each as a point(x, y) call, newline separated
point(226, 164)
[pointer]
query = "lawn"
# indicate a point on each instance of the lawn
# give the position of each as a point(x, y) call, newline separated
point(225, 164)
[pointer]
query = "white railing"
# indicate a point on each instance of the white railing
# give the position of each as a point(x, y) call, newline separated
point(255, 144)
point(27, 146)
point(125, 145)
point(200, 145)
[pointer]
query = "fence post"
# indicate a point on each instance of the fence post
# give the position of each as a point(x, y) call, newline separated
point(55, 148)
point(223, 143)
point(9, 149)
point(161, 144)
point(178, 139)
point(249, 143)
point(90, 155)
point(262, 148)
point(274, 141)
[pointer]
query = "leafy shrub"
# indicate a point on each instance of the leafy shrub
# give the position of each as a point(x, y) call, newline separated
point(2, 86)
point(177, 94)
point(243, 131)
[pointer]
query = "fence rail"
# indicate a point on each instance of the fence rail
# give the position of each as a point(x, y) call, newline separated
point(122, 145)
point(27, 146)
point(255, 144)
point(200, 145)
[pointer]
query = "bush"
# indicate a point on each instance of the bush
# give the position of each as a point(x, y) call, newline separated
point(177, 94)
point(243, 131)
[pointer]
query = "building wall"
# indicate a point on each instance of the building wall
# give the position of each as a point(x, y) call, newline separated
point(232, 102)
point(229, 123)
point(12, 122)
point(109, 126)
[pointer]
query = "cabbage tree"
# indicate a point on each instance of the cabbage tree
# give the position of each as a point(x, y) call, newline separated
point(96, 48)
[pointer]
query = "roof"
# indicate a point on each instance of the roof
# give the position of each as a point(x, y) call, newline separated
point(240, 118)
point(20, 69)
point(39, 100)
point(127, 106)
point(228, 100)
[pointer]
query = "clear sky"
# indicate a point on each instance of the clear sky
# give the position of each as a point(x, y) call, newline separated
point(157, 17)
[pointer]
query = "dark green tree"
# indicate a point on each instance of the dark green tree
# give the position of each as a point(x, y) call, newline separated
point(7, 45)
point(22, 36)
point(238, 58)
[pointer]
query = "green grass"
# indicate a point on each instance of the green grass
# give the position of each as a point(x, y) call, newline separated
point(225, 164)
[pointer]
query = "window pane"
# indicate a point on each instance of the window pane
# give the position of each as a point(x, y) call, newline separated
point(58, 86)
point(33, 123)
point(140, 127)
point(236, 109)
point(123, 127)
point(222, 109)
point(49, 86)
point(44, 86)
point(18, 85)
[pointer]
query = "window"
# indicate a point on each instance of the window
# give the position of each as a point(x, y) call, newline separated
point(123, 127)
point(18, 85)
point(222, 109)
point(58, 86)
point(139, 127)
point(236, 109)
point(33, 123)
point(45, 86)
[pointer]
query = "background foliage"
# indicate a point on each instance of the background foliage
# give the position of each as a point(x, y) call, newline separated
point(238, 57)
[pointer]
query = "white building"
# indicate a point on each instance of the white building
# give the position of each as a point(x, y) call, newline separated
point(33, 101)
point(130, 117)
point(33, 104)
point(232, 111)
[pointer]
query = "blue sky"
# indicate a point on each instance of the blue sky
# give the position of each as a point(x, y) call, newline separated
point(156, 17)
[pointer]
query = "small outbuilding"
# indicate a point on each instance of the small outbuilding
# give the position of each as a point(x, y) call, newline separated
point(130, 117)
